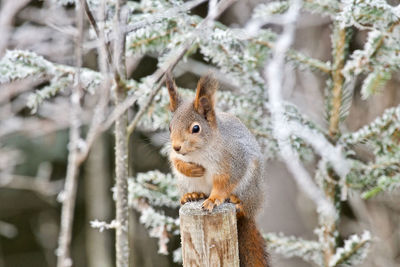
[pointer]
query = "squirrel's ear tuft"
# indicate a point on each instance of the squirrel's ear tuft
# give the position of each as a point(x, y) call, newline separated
point(205, 97)
point(174, 97)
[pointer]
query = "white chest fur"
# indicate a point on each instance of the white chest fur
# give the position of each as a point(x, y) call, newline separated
point(200, 184)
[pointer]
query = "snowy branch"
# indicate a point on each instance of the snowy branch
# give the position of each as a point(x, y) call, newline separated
point(274, 77)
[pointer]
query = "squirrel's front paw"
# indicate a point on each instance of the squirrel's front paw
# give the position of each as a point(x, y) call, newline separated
point(212, 202)
point(188, 197)
point(196, 171)
point(189, 169)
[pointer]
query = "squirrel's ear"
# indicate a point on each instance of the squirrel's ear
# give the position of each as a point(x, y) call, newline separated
point(205, 97)
point(174, 97)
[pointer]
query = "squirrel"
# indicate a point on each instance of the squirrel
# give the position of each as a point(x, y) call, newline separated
point(216, 158)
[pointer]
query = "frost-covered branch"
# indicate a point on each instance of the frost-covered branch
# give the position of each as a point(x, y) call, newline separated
point(353, 252)
point(159, 225)
point(385, 125)
point(165, 14)
point(150, 190)
point(18, 65)
point(290, 246)
point(158, 77)
point(381, 137)
point(103, 225)
point(340, 42)
point(274, 77)
point(157, 188)
point(334, 154)
point(167, 31)
point(378, 58)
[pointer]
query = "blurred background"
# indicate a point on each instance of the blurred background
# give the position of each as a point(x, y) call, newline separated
point(33, 151)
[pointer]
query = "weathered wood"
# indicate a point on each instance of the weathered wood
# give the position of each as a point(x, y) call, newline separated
point(209, 239)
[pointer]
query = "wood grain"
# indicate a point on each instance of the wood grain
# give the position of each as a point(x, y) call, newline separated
point(209, 239)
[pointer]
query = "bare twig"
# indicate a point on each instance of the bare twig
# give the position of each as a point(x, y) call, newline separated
point(69, 194)
point(21, 182)
point(121, 142)
point(104, 62)
point(99, 33)
point(8, 11)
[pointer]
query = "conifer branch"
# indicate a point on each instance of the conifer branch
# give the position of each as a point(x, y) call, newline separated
point(291, 246)
point(335, 187)
point(273, 74)
point(338, 80)
point(159, 75)
point(300, 58)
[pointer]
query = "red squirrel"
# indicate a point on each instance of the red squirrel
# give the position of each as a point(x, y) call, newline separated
point(216, 158)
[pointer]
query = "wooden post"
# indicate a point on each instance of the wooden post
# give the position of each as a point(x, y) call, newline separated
point(209, 239)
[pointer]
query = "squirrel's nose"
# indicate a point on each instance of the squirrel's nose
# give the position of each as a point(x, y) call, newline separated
point(177, 148)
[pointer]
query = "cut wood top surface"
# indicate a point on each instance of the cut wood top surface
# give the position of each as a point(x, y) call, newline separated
point(194, 208)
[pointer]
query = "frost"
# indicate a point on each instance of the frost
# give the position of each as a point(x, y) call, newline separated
point(375, 81)
point(177, 255)
point(353, 252)
point(103, 225)
point(17, 65)
point(150, 190)
point(159, 189)
point(291, 246)
point(157, 27)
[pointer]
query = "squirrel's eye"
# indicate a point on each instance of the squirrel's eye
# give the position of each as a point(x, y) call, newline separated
point(170, 128)
point(196, 128)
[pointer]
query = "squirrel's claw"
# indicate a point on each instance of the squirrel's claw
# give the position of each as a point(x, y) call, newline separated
point(210, 203)
point(238, 205)
point(188, 197)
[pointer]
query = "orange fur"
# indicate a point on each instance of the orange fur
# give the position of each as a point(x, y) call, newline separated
point(192, 197)
point(251, 243)
point(188, 169)
point(204, 100)
point(238, 205)
point(252, 251)
point(174, 98)
point(221, 190)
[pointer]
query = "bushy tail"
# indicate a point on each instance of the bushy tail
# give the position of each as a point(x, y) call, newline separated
point(252, 250)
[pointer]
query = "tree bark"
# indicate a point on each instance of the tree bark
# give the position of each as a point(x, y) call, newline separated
point(98, 205)
point(209, 239)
